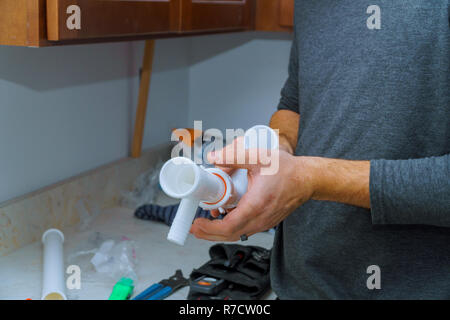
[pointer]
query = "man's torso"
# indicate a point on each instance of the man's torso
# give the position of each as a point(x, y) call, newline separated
point(367, 91)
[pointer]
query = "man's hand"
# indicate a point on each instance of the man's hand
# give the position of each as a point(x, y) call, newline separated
point(268, 201)
point(271, 198)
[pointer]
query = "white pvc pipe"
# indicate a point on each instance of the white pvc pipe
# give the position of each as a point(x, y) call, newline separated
point(257, 137)
point(181, 178)
point(183, 221)
point(53, 287)
point(261, 137)
point(210, 188)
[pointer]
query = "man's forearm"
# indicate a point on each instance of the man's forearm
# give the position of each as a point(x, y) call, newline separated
point(286, 122)
point(336, 180)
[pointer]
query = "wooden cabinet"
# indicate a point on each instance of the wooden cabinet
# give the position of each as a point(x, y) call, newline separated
point(22, 22)
point(286, 13)
point(88, 19)
point(274, 15)
point(55, 22)
point(219, 15)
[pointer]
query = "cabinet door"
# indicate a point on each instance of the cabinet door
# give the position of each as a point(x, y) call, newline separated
point(88, 19)
point(21, 22)
point(274, 15)
point(216, 15)
point(286, 13)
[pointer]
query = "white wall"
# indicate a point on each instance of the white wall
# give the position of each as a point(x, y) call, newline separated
point(236, 79)
point(168, 105)
point(66, 110)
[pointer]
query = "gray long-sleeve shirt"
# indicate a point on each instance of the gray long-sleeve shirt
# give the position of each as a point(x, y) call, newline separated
point(371, 83)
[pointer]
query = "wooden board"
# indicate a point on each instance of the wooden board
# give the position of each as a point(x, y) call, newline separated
point(144, 88)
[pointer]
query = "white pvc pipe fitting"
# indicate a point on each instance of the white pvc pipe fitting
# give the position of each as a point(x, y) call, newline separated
point(181, 178)
point(257, 137)
point(181, 225)
point(261, 137)
point(210, 188)
point(53, 287)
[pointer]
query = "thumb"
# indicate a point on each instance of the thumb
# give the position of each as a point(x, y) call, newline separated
point(234, 156)
point(227, 170)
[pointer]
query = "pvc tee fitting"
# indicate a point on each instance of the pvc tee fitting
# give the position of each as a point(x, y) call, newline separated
point(210, 188)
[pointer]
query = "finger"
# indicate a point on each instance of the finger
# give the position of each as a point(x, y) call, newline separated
point(227, 228)
point(243, 159)
point(200, 234)
point(228, 171)
point(233, 225)
point(233, 156)
point(249, 213)
point(215, 213)
point(229, 210)
point(215, 228)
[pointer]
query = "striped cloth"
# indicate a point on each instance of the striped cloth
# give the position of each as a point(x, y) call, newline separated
point(165, 214)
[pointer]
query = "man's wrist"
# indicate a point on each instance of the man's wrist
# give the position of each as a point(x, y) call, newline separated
point(311, 167)
point(337, 180)
point(285, 145)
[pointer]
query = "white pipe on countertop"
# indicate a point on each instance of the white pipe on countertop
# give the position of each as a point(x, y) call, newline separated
point(53, 287)
point(210, 188)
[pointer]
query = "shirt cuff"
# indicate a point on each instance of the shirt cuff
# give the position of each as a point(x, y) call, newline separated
point(286, 105)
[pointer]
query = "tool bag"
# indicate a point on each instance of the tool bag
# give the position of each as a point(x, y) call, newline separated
point(245, 270)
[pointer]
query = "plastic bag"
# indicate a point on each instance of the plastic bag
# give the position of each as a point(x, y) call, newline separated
point(115, 259)
point(106, 258)
point(145, 189)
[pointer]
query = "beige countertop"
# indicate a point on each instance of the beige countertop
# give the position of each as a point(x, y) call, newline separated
point(157, 259)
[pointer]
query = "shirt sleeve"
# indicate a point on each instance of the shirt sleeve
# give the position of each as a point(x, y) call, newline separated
point(289, 93)
point(415, 191)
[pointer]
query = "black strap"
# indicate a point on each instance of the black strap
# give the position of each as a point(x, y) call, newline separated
point(244, 268)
